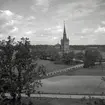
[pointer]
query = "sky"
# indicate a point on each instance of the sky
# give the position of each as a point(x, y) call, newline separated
point(42, 21)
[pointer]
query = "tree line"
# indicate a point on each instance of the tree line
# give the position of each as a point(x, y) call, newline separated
point(47, 52)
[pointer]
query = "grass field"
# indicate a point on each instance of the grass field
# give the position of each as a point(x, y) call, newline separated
point(50, 66)
point(80, 81)
point(73, 85)
point(95, 71)
point(49, 101)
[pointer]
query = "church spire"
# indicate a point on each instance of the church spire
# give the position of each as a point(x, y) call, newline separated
point(64, 32)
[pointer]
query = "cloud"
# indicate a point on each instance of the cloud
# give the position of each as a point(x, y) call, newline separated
point(14, 24)
point(54, 38)
point(57, 29)
point(54, 30)
point(1, 35)
point(87, 30)
point(6, 13)
point(43, 22)
point(47, 29)
point(29, 32)
point(9, 18)
point(15, 29)
point(89, 36)
point(100, 30)
point(9, 22)
point(84, 39)
point(5, 16)
point(103, 22)
point(31, 18)
point(49, 35)
point(42, 2)
point(76, 9)
point(40, 5)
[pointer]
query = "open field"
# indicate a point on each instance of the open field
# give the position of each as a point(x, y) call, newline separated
point(73, 85)
point(95, 71)
point(50, 66)
point(50, 101)
point(78, 81)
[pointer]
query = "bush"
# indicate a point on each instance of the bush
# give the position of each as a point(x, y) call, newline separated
point(58, 62)
point(91, 56)
point(68, 58)
point(79, 56)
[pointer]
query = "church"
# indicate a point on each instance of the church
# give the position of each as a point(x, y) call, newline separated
point(64, 46)
point(65, 42)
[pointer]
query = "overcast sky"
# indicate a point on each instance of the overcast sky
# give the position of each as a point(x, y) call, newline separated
point(42, 20)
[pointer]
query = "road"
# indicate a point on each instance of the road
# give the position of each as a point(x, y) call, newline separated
point(67, 96)
point(66, 69)
point(62, 96)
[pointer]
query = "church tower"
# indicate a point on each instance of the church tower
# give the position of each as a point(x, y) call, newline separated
point(65, 42)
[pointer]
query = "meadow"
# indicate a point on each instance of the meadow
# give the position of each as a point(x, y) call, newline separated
point(95, 71)
point(56, 101)
point(51, 66)
point(73, 85)
point(98, 70)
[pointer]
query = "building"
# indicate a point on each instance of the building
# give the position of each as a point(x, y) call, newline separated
point(64, 47)
point(65, 42)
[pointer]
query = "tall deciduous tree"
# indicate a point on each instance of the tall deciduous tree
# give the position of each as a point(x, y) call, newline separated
point(68, 58)
point(18, 71)
point(79, 56)
point(91, 56)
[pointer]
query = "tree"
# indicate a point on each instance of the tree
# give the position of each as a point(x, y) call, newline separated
point(18, 71)
point(52, 53)
point(79, 56)
point(45, 52)
point(40, 51)
point(68, 58)
point(91, 56)
point(7, 77)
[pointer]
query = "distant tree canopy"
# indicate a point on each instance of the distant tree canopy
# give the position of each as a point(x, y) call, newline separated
point(79, 56)
point(45, 52)
point(83, 47)
point(68, 58)
point(91, 56)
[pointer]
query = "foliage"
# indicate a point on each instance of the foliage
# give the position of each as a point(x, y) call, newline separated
point(83, 47)
point(91, 56)
point(45, 52)
point(96, 102)
point(18, 73)
point(68, 58)
point(79, 56)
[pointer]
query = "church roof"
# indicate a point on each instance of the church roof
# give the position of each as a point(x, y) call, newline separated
point(64, 33)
